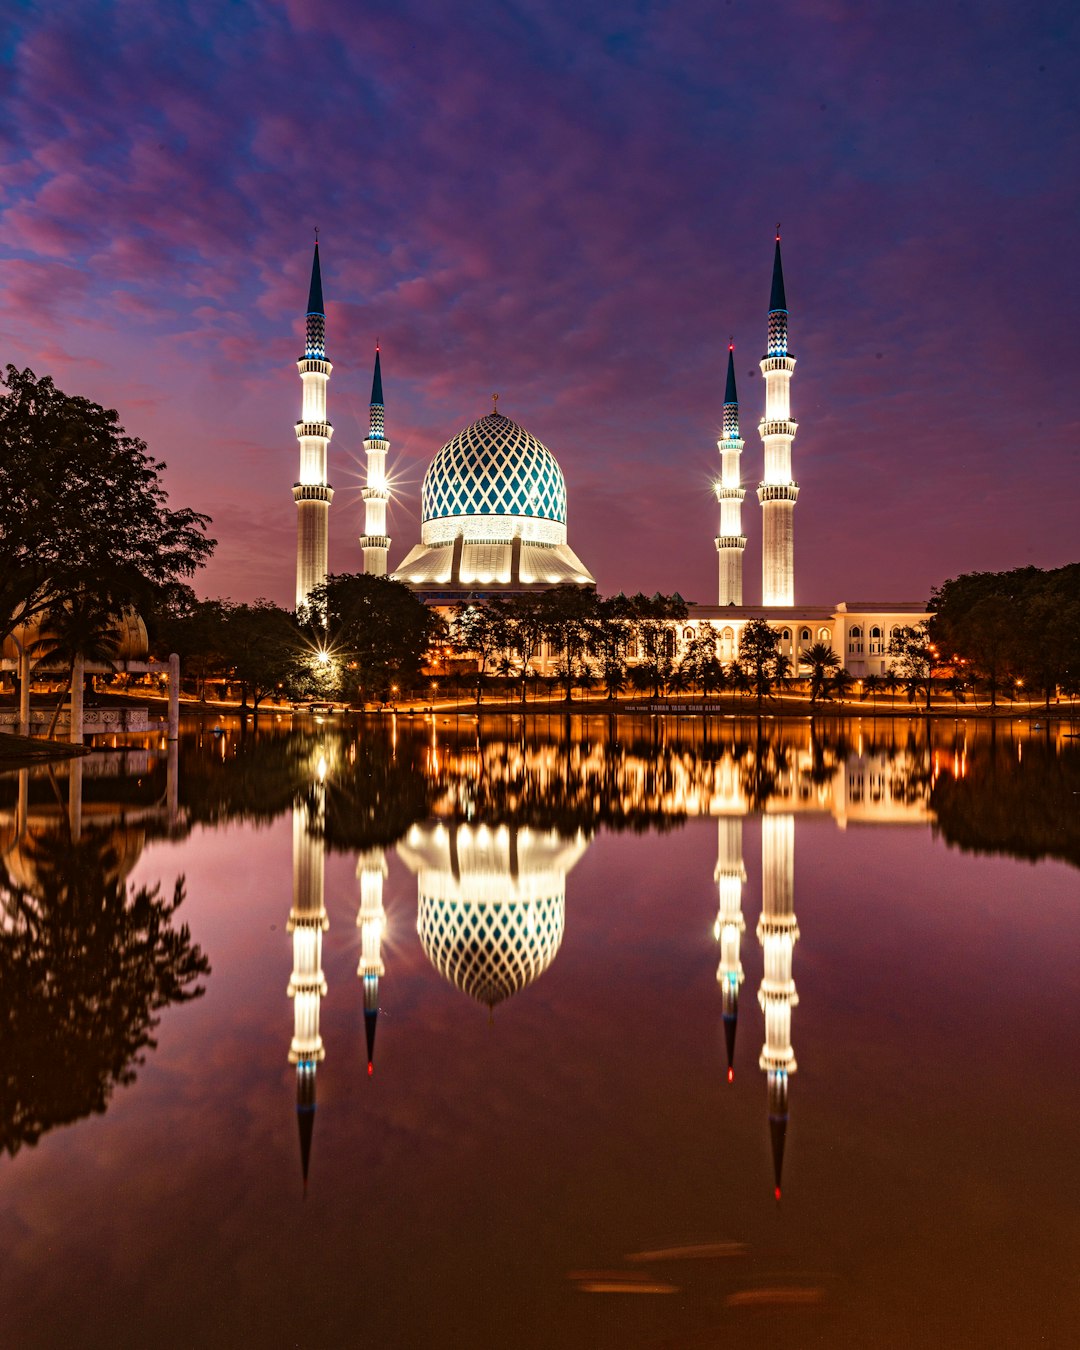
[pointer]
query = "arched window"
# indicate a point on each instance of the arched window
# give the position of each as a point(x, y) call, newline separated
point(875, 640)
point(856, 632)
point(786, 634)
point(804, 636)
point(688, 634)
point(729, 636)
point(855, 639)
point(875, 632)
point(824, 635)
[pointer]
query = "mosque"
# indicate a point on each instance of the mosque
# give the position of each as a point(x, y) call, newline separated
point(494, 512)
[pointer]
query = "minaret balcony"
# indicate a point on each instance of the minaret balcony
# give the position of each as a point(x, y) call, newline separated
point(374, 541)
point(375, 494)
point(777, 1061)
point(312, 492)
point(313, 365)
point(775, 991)
point(777, 428)
point(376, 443)
point(778, 492)
point(304, 982)
point(777, 925)
point(730, 443)
point(769, 363)
point(322, 430)
point(725, 541)
point(730, 494)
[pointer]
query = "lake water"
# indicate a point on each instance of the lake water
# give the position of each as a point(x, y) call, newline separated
point(510, 1033)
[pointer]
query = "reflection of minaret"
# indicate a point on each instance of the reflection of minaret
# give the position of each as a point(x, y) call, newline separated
point(730, 925)
point(371, 920)
point(307, 923)
point(492, 901)
point(777, 932)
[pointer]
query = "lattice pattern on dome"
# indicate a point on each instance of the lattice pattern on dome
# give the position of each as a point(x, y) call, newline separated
point(491, 951)
point(494, 467)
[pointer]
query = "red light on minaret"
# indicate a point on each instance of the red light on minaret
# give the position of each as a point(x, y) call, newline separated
point(731, 1075)
point(370, 1069)
point(778, 1192)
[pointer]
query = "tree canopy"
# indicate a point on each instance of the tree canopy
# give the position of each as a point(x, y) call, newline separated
point(86, 966)
point(1020, 625)
point(82, 507)
point(374, 630)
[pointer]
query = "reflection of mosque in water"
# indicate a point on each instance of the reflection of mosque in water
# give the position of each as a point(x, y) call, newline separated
point(491, 902)
point(491, 866)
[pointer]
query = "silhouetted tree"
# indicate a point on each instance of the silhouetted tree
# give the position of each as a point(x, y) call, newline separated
point(86, 967)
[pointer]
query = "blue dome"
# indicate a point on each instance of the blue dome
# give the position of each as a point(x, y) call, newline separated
point(494, 468)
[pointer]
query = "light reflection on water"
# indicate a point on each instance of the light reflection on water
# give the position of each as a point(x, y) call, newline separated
point(589, 949)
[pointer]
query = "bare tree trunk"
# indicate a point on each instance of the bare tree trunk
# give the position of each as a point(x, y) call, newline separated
point(63, 696)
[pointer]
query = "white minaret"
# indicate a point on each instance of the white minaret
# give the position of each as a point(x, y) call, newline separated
point(307, 987)
point(371, 920)
point(312, 493)
point(777, 491)
point(777, 932)
point(374, 540)
point(729, 927)
point(731, 541)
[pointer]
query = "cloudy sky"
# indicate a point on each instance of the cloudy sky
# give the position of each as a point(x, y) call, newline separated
point(572, 205)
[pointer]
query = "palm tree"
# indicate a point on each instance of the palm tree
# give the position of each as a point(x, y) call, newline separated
point(871, 685)
point(891, 683)
point(80, 627)
point(821, 661)
point(840, 683)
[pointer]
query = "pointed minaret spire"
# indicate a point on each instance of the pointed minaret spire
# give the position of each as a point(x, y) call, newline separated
point(777, 491)
point(731, 541)
point(777, 296)
point(374, 541)
point(778, 1119)
point(305, 1112)
point(312, 493)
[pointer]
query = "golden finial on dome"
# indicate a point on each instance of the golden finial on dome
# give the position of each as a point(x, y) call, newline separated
point(495, 404)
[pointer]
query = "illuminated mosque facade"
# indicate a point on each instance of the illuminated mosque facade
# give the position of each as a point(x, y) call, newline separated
point(494, 512)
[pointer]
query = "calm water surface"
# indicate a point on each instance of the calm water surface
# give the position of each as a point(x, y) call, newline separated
point(509, 1034)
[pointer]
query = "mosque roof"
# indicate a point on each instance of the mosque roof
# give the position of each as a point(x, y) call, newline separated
point(494, 468)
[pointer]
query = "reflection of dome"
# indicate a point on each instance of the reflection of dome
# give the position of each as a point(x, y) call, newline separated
point(494, 468)
point(117, 847)
point(494, 515)
point(492, 902)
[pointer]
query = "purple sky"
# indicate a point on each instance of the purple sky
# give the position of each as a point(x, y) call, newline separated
point(572, 205)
